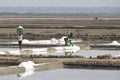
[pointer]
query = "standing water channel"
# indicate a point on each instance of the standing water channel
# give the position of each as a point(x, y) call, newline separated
point(85, 53)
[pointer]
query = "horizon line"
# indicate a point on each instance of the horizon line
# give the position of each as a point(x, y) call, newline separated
point(66, 6)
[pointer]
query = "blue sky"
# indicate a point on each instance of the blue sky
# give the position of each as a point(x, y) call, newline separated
point(60, 3)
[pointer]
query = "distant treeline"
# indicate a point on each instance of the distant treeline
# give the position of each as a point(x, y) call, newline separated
point(64, 27)
point(60, 15)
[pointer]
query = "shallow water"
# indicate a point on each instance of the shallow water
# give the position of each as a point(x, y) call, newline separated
point(93, 53)
point(68, 74)
point(85, 53)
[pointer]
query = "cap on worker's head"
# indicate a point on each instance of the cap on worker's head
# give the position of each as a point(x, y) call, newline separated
point(20, 27)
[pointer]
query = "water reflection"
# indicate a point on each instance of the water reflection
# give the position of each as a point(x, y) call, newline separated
point(68, 53)
point(25, 74)
point(69, 74)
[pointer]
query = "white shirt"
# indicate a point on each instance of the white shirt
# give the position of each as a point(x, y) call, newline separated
point(20, 37)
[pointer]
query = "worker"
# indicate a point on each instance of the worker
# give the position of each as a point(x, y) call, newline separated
point(70, 35)
point(20, 36)
point(68, 43)
point(65, 39)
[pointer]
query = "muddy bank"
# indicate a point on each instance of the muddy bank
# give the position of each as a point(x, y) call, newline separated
point(104, 47)
point(9, 64)
point(10, 45)
point(99, 61)
point(57, 63)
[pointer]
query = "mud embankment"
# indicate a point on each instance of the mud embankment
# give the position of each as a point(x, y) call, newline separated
point(99, 61)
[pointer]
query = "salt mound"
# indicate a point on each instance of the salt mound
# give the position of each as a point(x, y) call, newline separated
point(25, 41)
point(62, 39)
point(54, 41)
point(29, 65)
point(114, 43)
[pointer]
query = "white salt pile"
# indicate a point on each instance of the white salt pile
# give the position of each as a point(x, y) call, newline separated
point(29, 65)
point(115, 43)
point(29, 68)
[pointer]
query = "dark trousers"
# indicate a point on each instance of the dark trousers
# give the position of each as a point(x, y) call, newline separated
point(20, 44)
